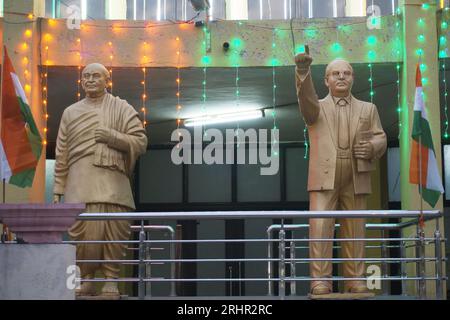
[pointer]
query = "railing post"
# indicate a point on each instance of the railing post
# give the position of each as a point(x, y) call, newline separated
point(403, 265)
point(172, 265)
point(420, 253)
point(438, 256)
point(281, 266)
point(293, 269)
point(269, 263)
point(148, 266)
point(384, 265)
point(141, 271)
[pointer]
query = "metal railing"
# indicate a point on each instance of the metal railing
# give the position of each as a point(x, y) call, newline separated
point(285, 244)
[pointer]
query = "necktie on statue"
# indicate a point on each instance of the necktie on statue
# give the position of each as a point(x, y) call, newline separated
point(343, 125)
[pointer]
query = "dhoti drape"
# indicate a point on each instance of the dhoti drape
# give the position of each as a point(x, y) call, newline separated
point(101, 230)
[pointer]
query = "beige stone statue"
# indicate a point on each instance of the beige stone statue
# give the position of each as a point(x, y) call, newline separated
point(346, 139)
point(99, 141)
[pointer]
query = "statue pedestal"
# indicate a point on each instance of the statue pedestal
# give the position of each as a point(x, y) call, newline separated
point(36, 271)
point(40, 223)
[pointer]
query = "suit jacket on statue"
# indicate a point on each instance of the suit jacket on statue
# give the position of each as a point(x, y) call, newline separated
point(321, 119)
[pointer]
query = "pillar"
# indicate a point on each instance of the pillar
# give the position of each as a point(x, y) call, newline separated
point(236, 9)
point(418, 20)
point(116, 9)
point(355, 8)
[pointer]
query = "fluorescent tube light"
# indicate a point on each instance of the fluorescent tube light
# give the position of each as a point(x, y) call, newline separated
point(224, 118)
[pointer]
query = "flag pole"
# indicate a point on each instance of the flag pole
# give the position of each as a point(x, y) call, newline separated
point(420, 253)
point(421, 217)
point(421, 220)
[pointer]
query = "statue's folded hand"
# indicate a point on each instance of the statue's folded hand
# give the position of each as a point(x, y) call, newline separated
point(363, 150)
point(102, 134)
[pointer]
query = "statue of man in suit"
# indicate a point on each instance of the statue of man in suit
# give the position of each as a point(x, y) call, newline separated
point(346, 139)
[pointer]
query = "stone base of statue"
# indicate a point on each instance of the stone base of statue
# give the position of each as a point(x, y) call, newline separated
point(342, 296)
point(37, 272)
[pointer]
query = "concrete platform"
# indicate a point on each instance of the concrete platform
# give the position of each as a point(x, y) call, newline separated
point(36, 271)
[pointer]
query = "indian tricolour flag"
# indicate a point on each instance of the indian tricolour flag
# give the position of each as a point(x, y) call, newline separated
point(20, 143)
point(423, 166)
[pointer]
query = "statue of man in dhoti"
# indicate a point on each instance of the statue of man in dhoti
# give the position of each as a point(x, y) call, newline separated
point(99, 141)
point(346, 139)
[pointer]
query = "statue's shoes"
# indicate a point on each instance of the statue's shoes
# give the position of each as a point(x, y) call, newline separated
point(320, 289)
point(86, 289)
point(110, 289)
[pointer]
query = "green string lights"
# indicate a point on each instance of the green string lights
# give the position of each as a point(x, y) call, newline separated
point(399, 106)
point(236, 45)
point(397, 67)
point(371, 92)
point(371, 42)
point(237, 100)
point(444, 80)
point(274, 90)
point(206, 60)
point(442, 57)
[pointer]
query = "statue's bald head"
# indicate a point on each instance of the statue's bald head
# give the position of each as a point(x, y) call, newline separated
point(339, 78)
point(337, 63)
point(96, 67)
point(95, 79)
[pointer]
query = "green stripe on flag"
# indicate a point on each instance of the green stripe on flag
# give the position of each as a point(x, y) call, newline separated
point(32, 130)
point(421, 128)
point(430, 196)
point(25, 178)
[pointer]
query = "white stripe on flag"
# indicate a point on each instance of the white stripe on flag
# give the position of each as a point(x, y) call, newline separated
point(5, 169)
point(434, 181)
point(418, 103)
point(18, 87)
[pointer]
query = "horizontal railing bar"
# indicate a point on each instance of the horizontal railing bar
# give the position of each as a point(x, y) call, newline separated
point(258, 260)
point(249, 240)
point(296, 262)
point(256, 279)
point(259, 214)
point(371, 226)
point(338, 247)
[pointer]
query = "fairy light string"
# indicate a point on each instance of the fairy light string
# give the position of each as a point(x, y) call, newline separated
point(397, 67)
point(178, 81)
point(206, 60)
point(442, 56)
point(274, 91)
point(111, 59)
point(144, 96)
point(444, 81)
point(45, 90)
point(79, 69)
